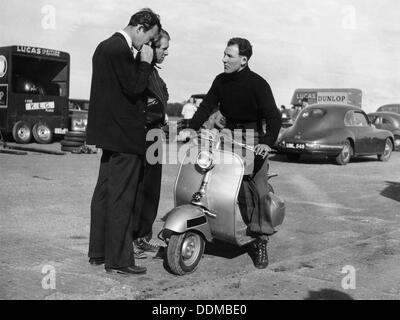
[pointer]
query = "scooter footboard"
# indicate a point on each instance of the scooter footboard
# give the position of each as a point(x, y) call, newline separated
point(184, 218)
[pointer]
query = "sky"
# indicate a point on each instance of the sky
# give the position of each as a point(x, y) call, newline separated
point(296, 43)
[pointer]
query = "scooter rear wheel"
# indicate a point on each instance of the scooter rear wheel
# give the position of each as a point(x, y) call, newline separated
point(184, 252)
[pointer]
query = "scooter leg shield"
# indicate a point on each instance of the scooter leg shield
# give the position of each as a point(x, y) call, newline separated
point(187, 217)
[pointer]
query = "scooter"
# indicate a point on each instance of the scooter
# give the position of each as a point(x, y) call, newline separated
point(206, 204)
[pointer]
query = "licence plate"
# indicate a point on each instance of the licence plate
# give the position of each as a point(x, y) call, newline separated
point(60, 131)
point(299, 146)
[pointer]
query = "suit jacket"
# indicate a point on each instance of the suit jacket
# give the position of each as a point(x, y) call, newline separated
point(116, 118)
point(157, 89)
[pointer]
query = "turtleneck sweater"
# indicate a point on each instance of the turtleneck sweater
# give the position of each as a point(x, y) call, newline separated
point(241, 97)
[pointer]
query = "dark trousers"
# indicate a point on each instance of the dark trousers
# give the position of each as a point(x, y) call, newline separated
point(148, 200)
point(113, 208)
point(254, 201)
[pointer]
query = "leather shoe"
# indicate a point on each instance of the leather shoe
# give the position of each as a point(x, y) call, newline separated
point(128, 270)
point(97, 261)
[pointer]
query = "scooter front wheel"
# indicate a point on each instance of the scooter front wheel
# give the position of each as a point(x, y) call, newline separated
point(184, 252)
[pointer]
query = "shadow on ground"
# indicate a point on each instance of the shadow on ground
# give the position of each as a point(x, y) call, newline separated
point(318, 159)
point(392, 191)
point(224, 250)
point(328, 294)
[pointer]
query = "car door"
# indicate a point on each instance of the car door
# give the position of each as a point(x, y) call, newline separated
point(358, 123)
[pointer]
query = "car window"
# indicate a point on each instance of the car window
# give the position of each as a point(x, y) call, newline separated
point(313, 113)
point(355, 119)
point(386, 121)
point(374, 119)
point(361, 120)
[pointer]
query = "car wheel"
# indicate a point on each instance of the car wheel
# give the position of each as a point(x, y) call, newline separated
point(22, 132)
point(184, 252)
point(344, 156)
point(385, 156)
point(396, 143)
point(293, 156)
point(42, 133)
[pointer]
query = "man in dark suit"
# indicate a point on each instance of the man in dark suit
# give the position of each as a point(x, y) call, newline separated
point(117, 124)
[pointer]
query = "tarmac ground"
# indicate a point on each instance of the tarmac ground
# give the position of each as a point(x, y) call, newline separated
point(340, 238)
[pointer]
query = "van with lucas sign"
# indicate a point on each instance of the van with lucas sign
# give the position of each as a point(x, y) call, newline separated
point(34, 92)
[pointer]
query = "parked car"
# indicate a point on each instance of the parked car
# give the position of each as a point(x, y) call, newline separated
point(338, 131)
point(286, 116)
point(388, 121)
point(78, 114)
point(393, 107)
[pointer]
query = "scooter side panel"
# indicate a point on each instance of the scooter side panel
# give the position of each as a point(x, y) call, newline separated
point(222, 194)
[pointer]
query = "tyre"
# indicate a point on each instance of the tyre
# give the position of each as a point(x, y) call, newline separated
point(344, 156)
point(68, 143)
point(293, 156)
point(42, 133)
point(76, 139)
point(75, 134)
point(68, 148)
point(22, 132)
point(184, 252)
point(385, 156)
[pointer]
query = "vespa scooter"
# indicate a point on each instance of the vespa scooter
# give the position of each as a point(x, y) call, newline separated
point(206, 204)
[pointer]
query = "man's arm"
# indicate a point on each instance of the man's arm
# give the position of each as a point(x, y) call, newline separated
point(206, 107)
point(133, 76)
point(269, 111)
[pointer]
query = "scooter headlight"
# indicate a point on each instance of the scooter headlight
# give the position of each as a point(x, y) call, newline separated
point(205, 160)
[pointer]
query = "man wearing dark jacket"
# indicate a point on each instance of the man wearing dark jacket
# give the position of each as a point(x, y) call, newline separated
point(157, 98)
point(117, 124)
point(245, 100)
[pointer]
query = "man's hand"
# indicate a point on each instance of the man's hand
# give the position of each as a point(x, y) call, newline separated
point(262, 150)
point(146, 54)
point(184, 135)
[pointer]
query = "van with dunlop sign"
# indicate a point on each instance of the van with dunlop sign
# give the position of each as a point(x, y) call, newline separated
point(342, 96)
point(34, 92)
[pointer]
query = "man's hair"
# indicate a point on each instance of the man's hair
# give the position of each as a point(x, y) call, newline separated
point(162, 34)
point(245, 48)
point(147, 18)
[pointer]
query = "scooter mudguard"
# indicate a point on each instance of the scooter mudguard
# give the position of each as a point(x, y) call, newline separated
point(187, 217)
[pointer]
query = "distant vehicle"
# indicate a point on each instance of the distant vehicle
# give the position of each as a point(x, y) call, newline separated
point(34, 91)
point(341, 96)
point(388, 121)
point(286, 116)
point(78, 114)
point(338, 131)
point(198, 98)
point(390, 107)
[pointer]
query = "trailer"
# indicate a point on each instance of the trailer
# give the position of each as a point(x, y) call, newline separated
point(34, 93)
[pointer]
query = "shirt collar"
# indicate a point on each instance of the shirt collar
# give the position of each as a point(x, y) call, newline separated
point(128, 41)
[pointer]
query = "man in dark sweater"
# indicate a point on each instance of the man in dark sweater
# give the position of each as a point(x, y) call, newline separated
point(245, 99)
